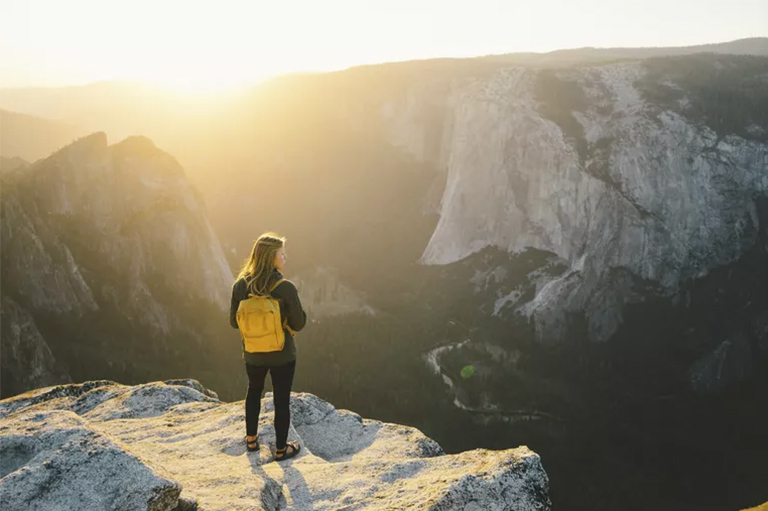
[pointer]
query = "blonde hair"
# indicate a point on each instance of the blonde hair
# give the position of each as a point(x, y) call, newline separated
point(259, 268)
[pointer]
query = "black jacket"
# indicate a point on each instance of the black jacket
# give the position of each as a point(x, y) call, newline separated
point(290, 308)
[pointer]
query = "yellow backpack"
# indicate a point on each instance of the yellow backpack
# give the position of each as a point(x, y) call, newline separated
point(258, 318)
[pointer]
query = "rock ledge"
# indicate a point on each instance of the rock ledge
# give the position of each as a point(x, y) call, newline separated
point(174, 446)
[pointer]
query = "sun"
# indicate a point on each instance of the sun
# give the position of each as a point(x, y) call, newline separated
point(188, 46)
point(190, 83)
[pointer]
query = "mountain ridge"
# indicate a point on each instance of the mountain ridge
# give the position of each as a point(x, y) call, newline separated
point(113, 235)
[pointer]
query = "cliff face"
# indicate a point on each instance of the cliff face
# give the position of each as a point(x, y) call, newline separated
point(640, 174)
point(622, 171)
point(322, 294)
point(27, 361)
point(114, 236)
point(178, 448)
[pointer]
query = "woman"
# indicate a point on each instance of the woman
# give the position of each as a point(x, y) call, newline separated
point(258, 276)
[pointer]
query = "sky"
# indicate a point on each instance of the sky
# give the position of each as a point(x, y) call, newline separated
point(224, 44)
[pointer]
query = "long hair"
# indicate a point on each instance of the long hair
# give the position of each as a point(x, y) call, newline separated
point(259, 268)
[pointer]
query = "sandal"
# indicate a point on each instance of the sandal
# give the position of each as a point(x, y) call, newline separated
point(252, 445)
point(290, 450)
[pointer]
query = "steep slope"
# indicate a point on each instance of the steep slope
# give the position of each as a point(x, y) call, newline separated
point(580, 164)
point(27, 361)
point(109, 250)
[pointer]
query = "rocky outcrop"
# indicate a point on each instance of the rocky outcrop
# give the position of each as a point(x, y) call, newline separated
point(105, 196)
point(112, 236)
point(322, 294)
point(55, 460)
point(629, 194)
point(144, 447)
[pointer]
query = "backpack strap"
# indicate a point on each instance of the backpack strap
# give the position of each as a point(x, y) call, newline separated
point(285, 320)
point(274, 286)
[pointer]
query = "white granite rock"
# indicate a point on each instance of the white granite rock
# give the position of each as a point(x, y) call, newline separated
point(54, 460)
point(347, 462)
point(645, 191)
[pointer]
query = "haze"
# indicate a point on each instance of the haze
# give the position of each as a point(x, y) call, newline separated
point(210, 46)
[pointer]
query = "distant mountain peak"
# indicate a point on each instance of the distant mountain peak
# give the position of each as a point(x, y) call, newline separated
point(137, 143)
point(87, 145)
point(96, 139)
point(142, 148)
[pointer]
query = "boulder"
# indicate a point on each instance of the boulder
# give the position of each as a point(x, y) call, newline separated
point(55, 460)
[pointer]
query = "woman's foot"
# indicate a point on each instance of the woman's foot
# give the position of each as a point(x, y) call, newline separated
point(290, 450)
point(252, 442)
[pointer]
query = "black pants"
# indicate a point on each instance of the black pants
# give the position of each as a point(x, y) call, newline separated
point(282, 380)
